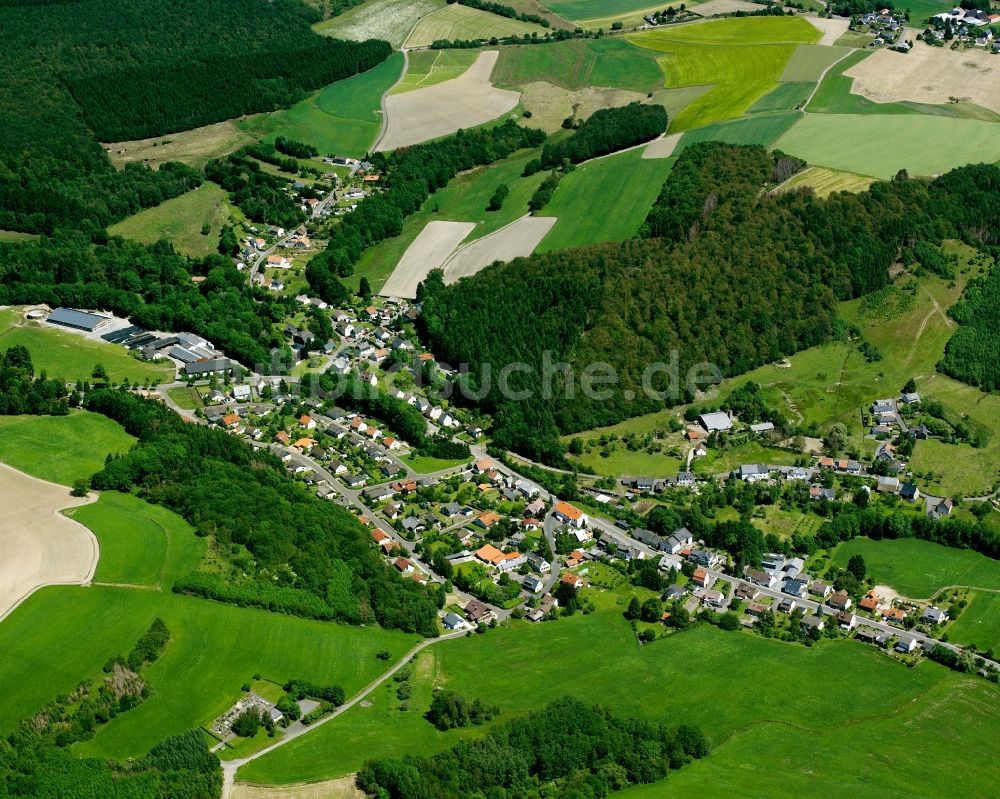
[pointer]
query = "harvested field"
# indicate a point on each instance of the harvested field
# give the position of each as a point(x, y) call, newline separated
point(550, 104)
point(428, 251)
point(429, 67)
point(440, 110)
point(713, 7)
point(662, 147)
point(343, 788)
point(40, 546)
point(457, 22)
point(517, 240)
point(832, 29)
point(932, 75)
point(194, 147)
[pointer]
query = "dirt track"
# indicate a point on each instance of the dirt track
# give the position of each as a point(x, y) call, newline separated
point(662, 147)
point(428, 251)
point(342, 788)
point(465, 102)
point(516, 240)
point(39, 545)
point(929, 75)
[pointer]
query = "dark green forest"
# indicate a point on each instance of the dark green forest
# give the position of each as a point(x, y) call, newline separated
point(566, 750)
point(972, 352)
point(607, 131)
point(21, 391)
point(730, 276)
point(109, 70)
point(312, 558)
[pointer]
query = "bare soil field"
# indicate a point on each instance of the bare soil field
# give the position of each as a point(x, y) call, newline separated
point(40, 546)
point(662, 147)
point(832, 29)
point(342, 788)
point(516, 240)
point(428, 251)
point(550, 104)
point(194, 147)
point(929, 75)
point(465, 102)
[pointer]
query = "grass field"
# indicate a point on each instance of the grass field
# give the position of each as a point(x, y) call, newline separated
point(14, 235)
point(809, 61)
point(577, 63)
point(596, 657)
point(73, 357)
point(918, 569)
point(763, 129)
point(623, 461)
point(464, 199)
point(783, 97)
point(743, 58)
point(180, 221)
point(923, 145)
point(827, 181)
point(633, 182)
point(344, 118)
point(422, 464)
point(193, 147)
point(61, 449)
point(979, 623)
point(937, 746)
point(140, 544)
point(456, 22)
point(834, 93)
point(186, 397)
point(427, 67)
point(391, 20)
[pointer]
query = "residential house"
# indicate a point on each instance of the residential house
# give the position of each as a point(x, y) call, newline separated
point(759, 577)
point(378, 493)
point(893, 615)
point(479, 613)
point(813, 623)
point(934, 615)
point(870, 602)
point(787, 606)
point(839, 601)
point(533, 584)
point(567, 578)
point(453, 621)
point(702, 578)
point(307, 422)
point(820, 589)
point(847, 620)
point(753, 472)
point(816, 491)
point(756, 609)
point(762, 427)
point(910, 492)
point(403, 565)
point(938, 509)
point(746, 591)
point(715, 599)
point(569, 514)
point(794, 587)
point(538, 563)
point(906, 644)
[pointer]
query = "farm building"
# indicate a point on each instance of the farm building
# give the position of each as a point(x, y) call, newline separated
point(77, 320)
point(714, 422)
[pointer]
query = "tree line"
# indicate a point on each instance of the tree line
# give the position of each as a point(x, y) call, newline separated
point(607, 131)
point(566, 750)
point(727, 274)
point(971, 352)
point(302, 545)
point(22, 392)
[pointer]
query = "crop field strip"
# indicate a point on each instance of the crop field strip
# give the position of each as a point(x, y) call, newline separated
point(391, 20)
point(429, 67)
point(825, 181)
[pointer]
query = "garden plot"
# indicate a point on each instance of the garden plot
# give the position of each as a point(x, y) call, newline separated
point(40, 546)
point(428, 251)
point(465, 102)
point(516, 240)
point(929, 75)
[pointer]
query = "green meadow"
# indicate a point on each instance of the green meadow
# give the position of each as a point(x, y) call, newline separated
point(73, 357)
point(423, 464)
point(577, 63)
point(428, 67)
point(827, 181)
point(685, 678)
point(140, 543)
point(979, 623)
point(180, 221)
point(61, 449)
point(783, 97)
point(762, 129)
point(922, 145)
point(743, 58)
point(632, 182)
point(918, 569)
point(344, 118)
point(810, 61)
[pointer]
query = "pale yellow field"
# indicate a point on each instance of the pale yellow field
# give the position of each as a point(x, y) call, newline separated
point(550, 104)
point(826, 181)
point(39, 545)
point(516, 240)
point(429, 250)
point(929, 75)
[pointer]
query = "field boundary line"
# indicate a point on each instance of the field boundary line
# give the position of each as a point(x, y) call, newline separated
point(387, 92)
